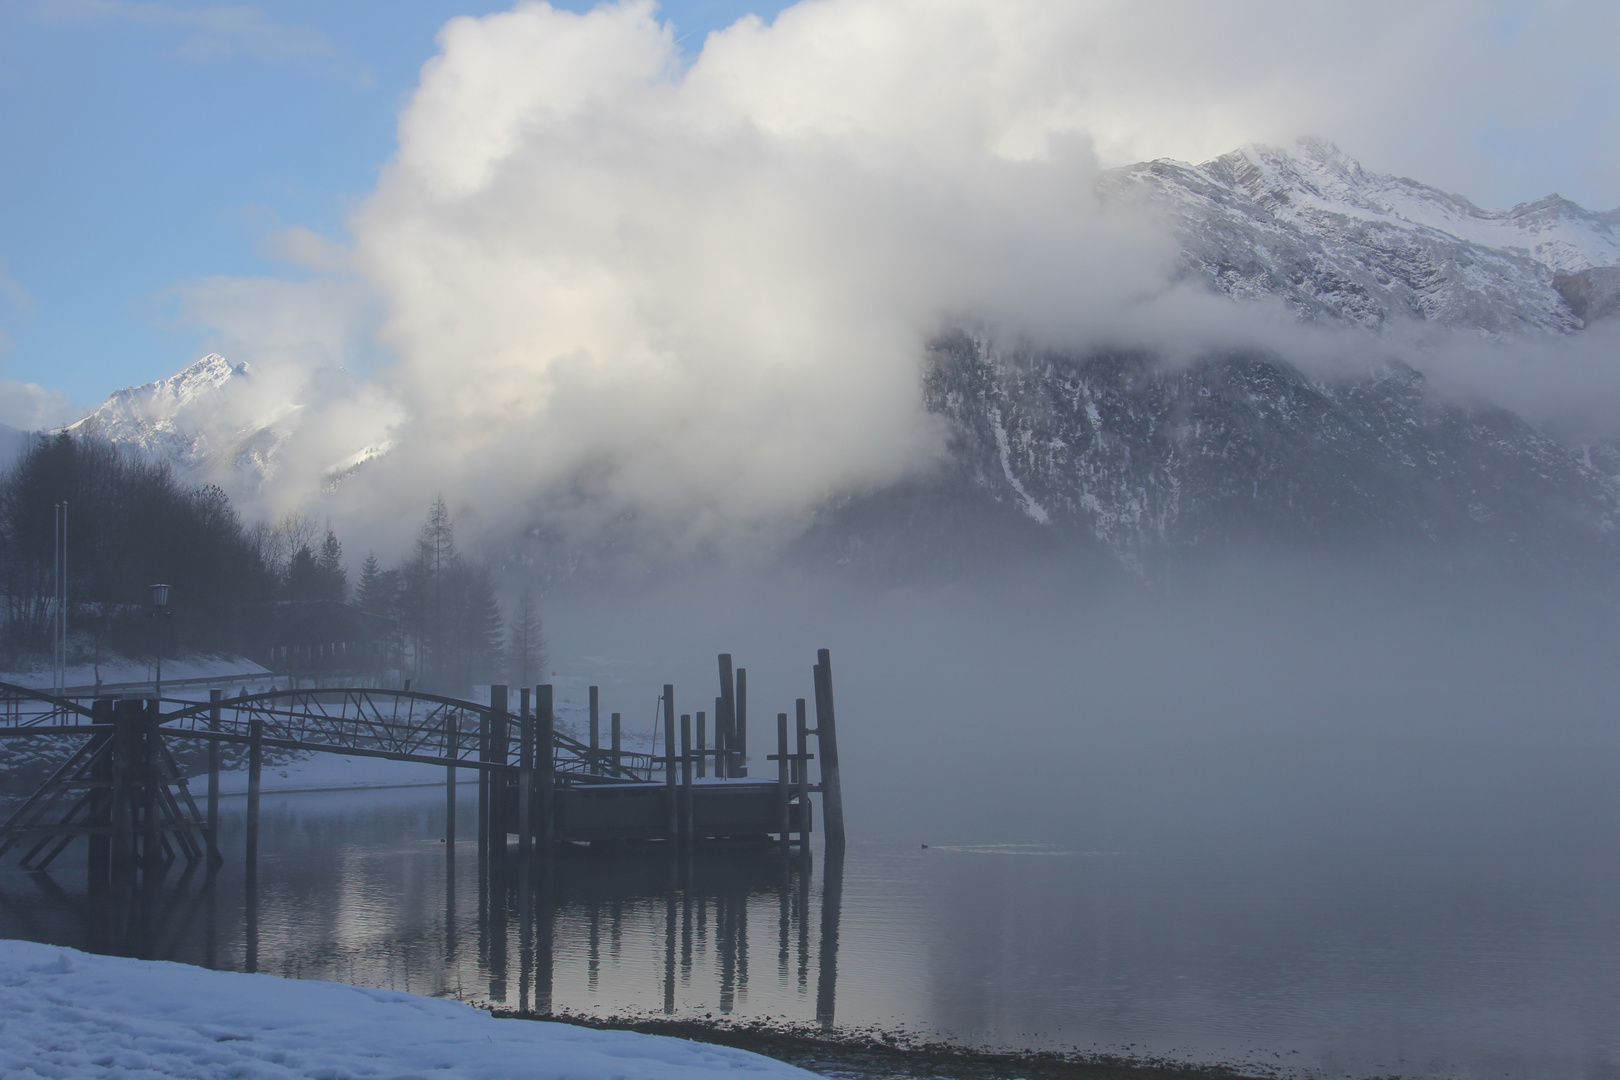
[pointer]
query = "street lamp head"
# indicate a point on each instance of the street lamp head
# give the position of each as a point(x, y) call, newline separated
point(160, 596)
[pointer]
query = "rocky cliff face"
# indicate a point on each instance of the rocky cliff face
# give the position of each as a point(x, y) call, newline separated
point(1121, 454)
point(1591, 294)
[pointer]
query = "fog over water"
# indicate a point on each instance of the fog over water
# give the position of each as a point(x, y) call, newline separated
point(1272, 703)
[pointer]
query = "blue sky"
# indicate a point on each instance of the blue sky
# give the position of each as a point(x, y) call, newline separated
point(152, 144)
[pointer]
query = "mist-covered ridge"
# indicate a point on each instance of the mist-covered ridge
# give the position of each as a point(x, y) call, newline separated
point(1117, 452)
point(1325, 358)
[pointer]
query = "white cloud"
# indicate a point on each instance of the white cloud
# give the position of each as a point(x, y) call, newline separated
point(30, 407)
point(214, 32)
point(690, 295)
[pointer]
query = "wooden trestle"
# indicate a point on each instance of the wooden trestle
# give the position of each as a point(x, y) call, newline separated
point(124, 792)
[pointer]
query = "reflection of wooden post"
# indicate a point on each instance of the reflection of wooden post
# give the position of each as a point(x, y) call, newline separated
point(618, 746)
point(832, 792)
point(686, 779)
point(740, 727)
point(255, 769)
point(672, 823)
point(594, 766)
point(782, 778)
point(545, 737)
point(214, 857)
point(832, 902)
point(801, 768)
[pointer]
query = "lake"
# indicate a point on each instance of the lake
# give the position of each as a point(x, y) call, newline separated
point(1409, 961)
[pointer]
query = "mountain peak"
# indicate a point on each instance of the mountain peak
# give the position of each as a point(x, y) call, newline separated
point(1308, 224)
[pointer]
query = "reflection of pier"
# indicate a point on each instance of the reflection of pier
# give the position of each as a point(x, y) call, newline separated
point(649, 928)
point(706, 908)
point(123, 790)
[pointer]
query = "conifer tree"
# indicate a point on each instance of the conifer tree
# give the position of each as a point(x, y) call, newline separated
point(525, 642)
point(334, 578)
point(481, 626)
point(367, 594)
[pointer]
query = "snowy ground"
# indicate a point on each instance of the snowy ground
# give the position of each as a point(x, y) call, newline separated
point(66, 1014)
point(119, 672)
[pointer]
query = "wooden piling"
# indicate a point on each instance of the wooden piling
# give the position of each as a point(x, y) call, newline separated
point(672, 824)
point(832, 792)
point(617, 737)
point(782, 796)
point(686, 779)
point(523, 823)
point(101, 711)
point(701, 749)
point(725, 719)
point(594, 765)
point(152, 787)
point(126, 721)
point(452, 750)
point(255, 771)
point(483, 782)
point(801, 765)
point(214, 857)
point(501, 786)
point(545, 738)
point(719, 737)
point(740, 726)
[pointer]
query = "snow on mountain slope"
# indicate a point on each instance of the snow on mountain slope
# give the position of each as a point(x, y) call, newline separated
point(193, 419)
point(1308, 224)
point(215, 421)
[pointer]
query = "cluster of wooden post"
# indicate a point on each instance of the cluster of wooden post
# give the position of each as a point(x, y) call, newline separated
point(730, 749)
point(522, 802)
point(133, 812)
point(141, 813)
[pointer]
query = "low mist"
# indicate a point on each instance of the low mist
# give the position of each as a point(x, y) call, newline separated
point(1268, 704)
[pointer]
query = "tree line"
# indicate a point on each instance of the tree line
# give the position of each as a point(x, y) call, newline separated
point(447, 629)
point(131, 524)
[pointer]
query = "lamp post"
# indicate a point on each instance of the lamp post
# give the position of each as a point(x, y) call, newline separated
point(160, 614)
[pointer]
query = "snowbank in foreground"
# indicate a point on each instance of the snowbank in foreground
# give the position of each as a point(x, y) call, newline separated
point(68, 1014)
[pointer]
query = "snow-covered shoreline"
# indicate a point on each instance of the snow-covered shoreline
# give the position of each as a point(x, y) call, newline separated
point(66, 1014)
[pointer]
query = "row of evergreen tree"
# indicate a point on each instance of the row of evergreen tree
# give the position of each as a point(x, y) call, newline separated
point(447, 625)
point(131, 524)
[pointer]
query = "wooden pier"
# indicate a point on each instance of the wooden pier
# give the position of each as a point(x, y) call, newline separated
point(539, 790)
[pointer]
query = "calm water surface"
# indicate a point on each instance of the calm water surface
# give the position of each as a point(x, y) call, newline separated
point(1325, 965)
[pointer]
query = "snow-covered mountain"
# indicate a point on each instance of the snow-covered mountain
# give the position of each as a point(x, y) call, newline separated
point(201, 419)
point(1307, 224)
point(216, 422)
point(1119, 453)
